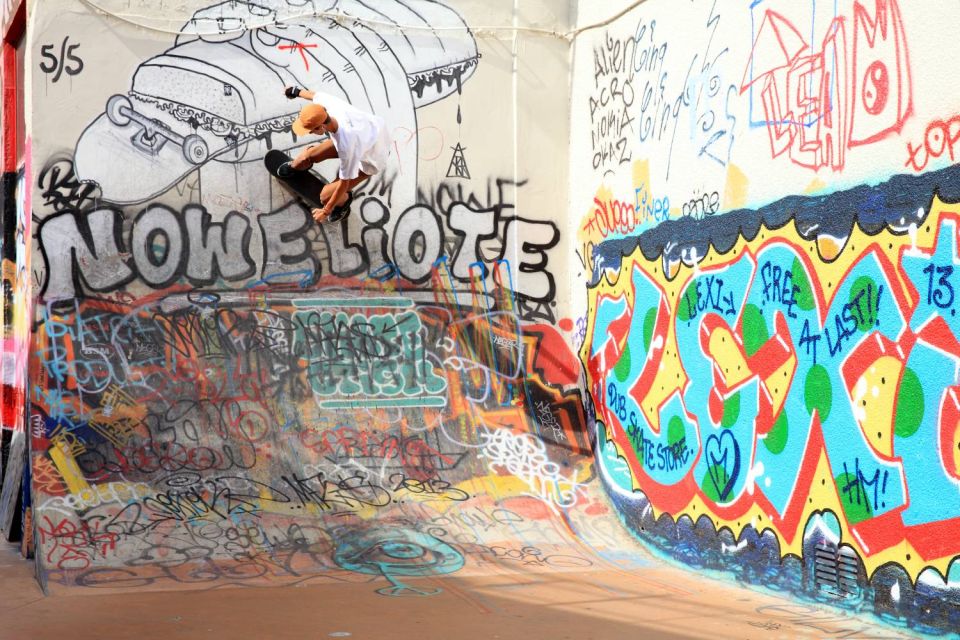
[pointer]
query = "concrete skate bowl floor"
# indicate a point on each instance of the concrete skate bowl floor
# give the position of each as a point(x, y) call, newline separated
point(528, 571)
point(617, 591)
point(398, 465)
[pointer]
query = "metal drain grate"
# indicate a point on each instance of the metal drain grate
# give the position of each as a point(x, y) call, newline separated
point(836, 570)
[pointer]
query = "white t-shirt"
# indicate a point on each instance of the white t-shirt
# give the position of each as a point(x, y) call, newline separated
point(361, 138)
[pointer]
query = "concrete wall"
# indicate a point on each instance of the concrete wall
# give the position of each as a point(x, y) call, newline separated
point(765, 224)
point(749, 239)
point(426, 124)
point(207, 361)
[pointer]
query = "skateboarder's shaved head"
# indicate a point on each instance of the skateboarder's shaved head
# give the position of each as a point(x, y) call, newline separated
point(312, 116)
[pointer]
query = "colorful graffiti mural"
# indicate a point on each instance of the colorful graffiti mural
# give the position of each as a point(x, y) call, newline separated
point(15, 505)
point(785, 381)
point(224, 392)
point(172, 426)
point(768, 240)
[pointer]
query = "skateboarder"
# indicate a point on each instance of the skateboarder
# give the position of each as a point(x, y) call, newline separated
point(357, 138)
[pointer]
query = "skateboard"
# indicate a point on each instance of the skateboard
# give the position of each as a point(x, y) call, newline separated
point(153, 134)
point(304, 184)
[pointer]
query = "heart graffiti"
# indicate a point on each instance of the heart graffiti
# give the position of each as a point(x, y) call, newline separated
point(723, 463)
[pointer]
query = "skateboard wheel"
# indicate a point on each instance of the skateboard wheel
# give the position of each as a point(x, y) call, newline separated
point(285, 170)
point(115, 110)
point(195, 149)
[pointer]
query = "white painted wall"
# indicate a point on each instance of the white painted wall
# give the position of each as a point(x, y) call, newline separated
point(723, 34)
point(511, 110)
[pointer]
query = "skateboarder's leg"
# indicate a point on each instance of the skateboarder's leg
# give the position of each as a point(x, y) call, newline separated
point(314, 154)
point(351, 184)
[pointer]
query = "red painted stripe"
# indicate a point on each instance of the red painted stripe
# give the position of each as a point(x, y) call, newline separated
point(9, 113)
point(13, 32)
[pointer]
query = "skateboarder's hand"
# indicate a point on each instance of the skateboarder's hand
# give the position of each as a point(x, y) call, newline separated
point(320, 215)
point(291, 92)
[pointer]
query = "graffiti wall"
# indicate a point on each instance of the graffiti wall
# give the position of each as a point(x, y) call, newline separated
point(223, 391)
point(765, 215)
point(767, 226)
point(15, 511)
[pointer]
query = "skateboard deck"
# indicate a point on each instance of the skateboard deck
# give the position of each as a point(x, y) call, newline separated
point(304, 184)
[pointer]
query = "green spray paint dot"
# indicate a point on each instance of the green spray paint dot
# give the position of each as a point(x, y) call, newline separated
point(853, 498)
point(648, 323)
point(731, 410)
point(688, 302)
point(716, 474)
point(866, 288)
point(755, 333)
point(622, 368)
point(675, 430)
point(776, 439)
point(818, 392)
point(909, 405)
point(803, 294)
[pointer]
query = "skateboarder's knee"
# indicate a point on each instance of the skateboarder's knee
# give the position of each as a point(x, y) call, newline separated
point(328, 190)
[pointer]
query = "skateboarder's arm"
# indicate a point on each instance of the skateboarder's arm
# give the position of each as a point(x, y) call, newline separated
point(298, 92)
